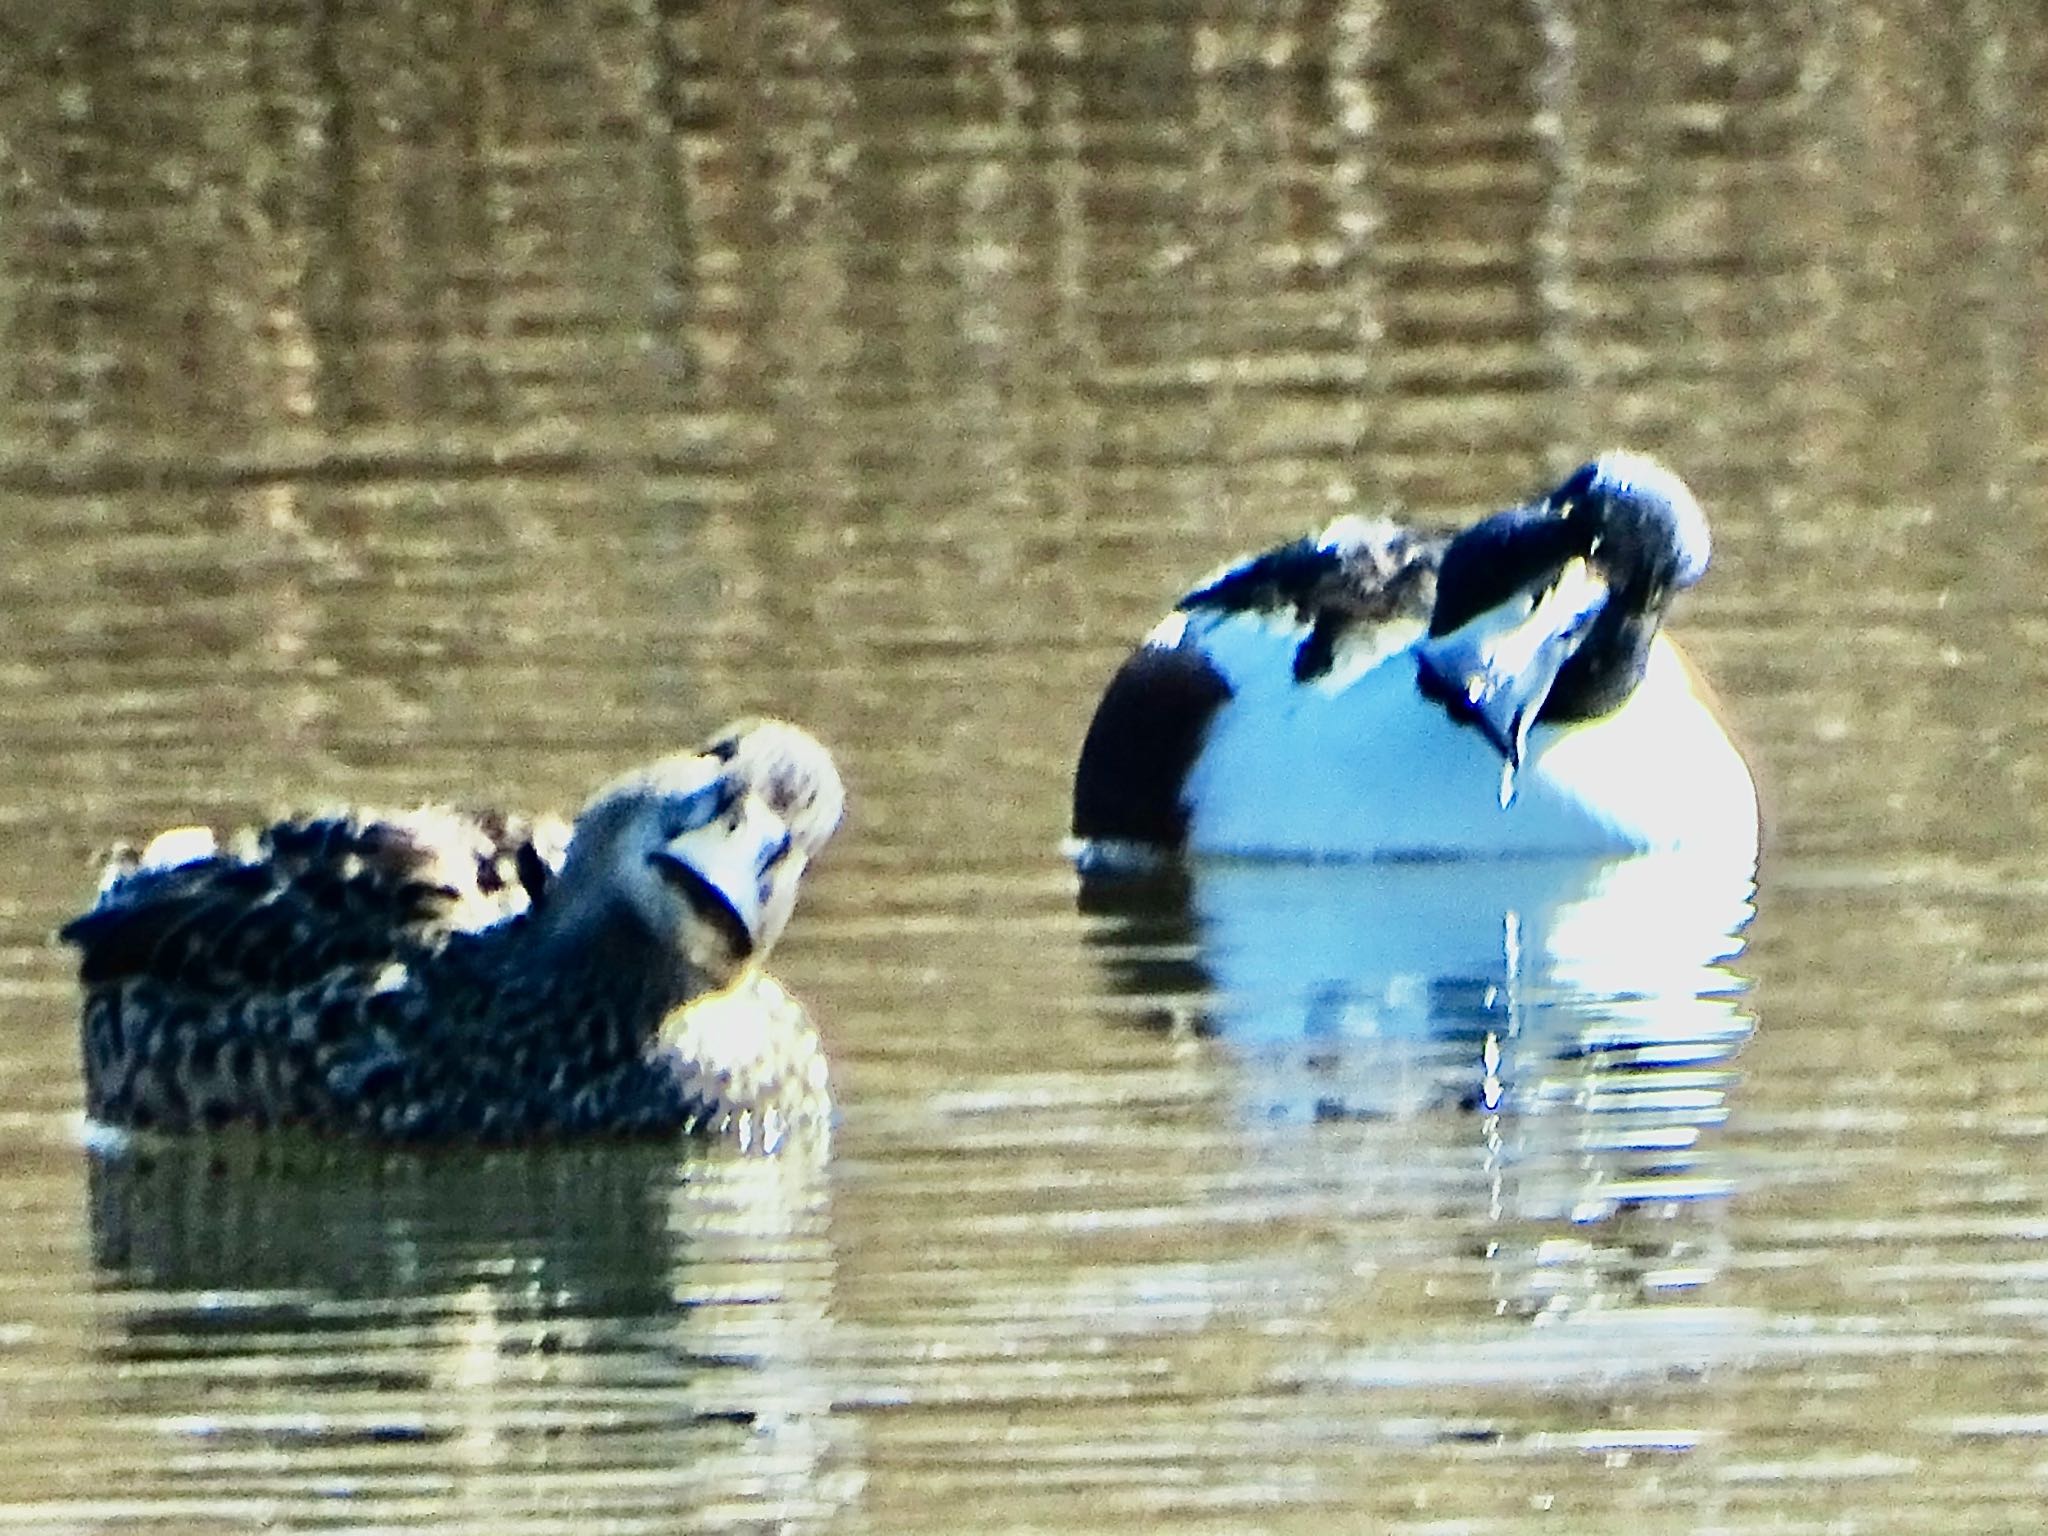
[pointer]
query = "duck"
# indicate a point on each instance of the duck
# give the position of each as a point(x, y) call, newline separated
point(439, 975)
point(1377, 691)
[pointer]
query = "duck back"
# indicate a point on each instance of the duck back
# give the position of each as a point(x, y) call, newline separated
point(304, 898)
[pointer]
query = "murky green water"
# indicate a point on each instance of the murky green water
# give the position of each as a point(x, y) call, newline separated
point(402, 401)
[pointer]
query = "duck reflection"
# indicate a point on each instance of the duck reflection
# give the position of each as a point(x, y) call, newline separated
point(1551, 1038)
point(618, 1308)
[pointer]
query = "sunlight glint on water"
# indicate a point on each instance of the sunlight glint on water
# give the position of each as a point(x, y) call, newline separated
point(401, 403)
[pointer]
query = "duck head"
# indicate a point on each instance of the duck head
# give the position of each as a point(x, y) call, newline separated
point(1546, 612)
point(704, 849)
point(792, 774)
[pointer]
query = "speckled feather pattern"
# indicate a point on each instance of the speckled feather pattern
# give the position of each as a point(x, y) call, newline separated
point(458, 1043)
point(393, 976)
point(301, 898)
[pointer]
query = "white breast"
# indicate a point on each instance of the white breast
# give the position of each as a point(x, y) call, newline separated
point(1362, 766)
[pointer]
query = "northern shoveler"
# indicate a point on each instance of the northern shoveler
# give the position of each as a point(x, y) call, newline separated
point(1381, 692)
point(439, 975)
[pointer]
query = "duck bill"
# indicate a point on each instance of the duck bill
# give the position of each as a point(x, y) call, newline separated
point(1495, 671)
point(726, 869)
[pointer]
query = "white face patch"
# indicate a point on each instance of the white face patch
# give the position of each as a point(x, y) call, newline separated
point(742, 856)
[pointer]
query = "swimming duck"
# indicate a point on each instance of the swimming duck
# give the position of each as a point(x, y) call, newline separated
point(438, 975)
point(1379, 692)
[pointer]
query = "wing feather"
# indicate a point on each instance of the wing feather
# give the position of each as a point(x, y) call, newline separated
point(306, 897)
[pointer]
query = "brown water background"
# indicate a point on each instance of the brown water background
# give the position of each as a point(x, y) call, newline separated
point(401, 400)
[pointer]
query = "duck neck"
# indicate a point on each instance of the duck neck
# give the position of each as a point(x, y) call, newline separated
point(602, 954)
point(1610, 662)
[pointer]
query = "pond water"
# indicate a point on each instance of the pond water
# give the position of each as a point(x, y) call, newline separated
point(406, 401)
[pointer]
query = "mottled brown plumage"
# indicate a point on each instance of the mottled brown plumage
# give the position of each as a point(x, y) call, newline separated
point(442, 976)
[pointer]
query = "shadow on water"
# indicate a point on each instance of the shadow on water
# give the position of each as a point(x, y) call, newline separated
point(513, 1315)
point(1550, 1043)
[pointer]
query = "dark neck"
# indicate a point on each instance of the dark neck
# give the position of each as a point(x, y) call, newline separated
point(1605, 669)
point(597, 967)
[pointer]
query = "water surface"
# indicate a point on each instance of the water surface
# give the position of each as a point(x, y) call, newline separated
point(403, 401)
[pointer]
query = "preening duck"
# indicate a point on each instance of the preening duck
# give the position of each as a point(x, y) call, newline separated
point(1379, 692)
point(438, 975)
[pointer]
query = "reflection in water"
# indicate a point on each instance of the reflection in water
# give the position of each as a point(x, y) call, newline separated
point(399, 397)
point(1568, 1027)
point(519, 1318)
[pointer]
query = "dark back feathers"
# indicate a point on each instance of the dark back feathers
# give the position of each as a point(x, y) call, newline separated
point(306, 897)
point(1359, 572)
